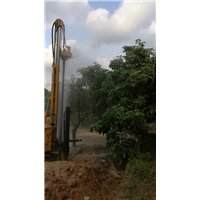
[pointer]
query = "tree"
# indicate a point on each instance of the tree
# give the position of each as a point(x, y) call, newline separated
point(86, 100)
point(96, 79)
point(131, 97)
point(79, 101)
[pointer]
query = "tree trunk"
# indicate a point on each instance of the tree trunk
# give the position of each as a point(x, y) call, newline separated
point(74, 137)
point(76, 127)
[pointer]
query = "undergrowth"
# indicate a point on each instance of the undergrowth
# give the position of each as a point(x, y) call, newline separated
point(140, 178)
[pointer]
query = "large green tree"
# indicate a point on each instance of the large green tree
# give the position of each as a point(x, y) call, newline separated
point(131, 94)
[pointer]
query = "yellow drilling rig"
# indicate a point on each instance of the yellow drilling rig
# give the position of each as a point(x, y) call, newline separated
point(60, 51)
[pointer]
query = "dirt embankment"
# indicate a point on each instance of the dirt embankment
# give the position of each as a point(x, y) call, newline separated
point(70, 180)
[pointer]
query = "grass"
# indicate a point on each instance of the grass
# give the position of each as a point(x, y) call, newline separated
point(139, 181)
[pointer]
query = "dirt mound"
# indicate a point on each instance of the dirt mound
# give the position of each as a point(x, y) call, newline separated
point(74, 181)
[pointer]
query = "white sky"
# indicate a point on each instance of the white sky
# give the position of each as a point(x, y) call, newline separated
point(97, 31)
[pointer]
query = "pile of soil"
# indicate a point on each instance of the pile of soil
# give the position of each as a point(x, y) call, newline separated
point(72, 181)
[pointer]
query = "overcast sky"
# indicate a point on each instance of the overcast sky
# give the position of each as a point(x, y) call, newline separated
point(97, 30)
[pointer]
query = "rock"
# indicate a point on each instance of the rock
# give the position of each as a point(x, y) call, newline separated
point(86, 198)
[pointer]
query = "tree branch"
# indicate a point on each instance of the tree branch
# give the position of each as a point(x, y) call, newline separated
point(72, 121)
point(85, 116)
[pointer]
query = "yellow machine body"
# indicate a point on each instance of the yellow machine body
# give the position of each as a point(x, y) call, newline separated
point(51, 118)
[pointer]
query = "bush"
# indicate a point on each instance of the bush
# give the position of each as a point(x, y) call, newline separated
point(142, 167)
point(140, 176)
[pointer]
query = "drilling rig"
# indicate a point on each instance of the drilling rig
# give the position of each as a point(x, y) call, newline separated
point(53, 135)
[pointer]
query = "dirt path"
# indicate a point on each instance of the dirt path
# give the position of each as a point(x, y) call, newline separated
point(93, 145)
point(89, 138)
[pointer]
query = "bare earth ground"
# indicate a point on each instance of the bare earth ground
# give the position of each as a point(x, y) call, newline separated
point(88, 175)
point(93, 145)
